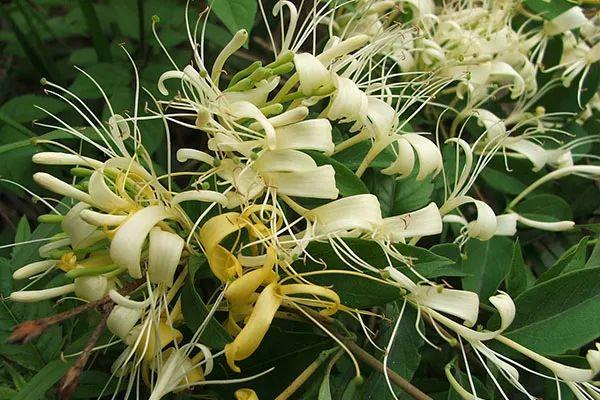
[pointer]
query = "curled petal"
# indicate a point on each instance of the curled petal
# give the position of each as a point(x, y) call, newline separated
point(241, 289)
point(126, 246)
point(257, 96)
point(573, 18)
point(191, 154)
point(405, 161)
point(430, 158)
point(284, 161)
point(361, 212)
point(249, 338)
point(314, 290)
point(486, 224)
point(459, 303)
point(348, 103)
point(178, 370)
point(318, 183)
point(313, 134)
point(104, 197)
point(208, 196)
point(382, 117)
point(494, 126)
point(424, 222)
point(81, 233)
point(92, 288)
point(245, 394)
point(121, 320)
point(312, 73)
point(506, 224)
point(150, 340)
point(244, 109)
point(163, 256)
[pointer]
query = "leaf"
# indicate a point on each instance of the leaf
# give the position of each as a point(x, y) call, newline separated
point(347, 183)
point(6, 279)
point(362, 292)
point(235, 14)
point(109, 76)
point(23, 232)
point(545, 208)
point(572, 259)
point(502, 182)
point(559, 314)
point(28, 253)
point(548, 9)
point(22, 108)
point(404, 357)
point(487, 264)
point(195, 311)
point(398, 196)
point(37, 386)
point(516, 281)
point(94, 383)
point(24, 355)
point(353, 156)
point(452, 252)
point(594, 260)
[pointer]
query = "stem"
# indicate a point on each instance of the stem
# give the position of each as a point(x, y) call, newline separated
point(303, 377)
point(371, 361)
point(70, 381)
point(559, 173)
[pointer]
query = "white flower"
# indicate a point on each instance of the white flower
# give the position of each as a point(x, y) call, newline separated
point(33, 269)
point(311, 72)
point(92, 288)
point(81, 233)
point(361, 212)
point(121, 320)
point(423, 222)
point(33, 296)
point(163, 256)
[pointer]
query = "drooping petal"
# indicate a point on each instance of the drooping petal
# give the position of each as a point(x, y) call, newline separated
point(284, 161)
point(360, 212)
point(312, 73)
point(424, 222)
point(404, 163)
point(318, 183)
point(163, 256)
point(121, 320)
point(208, 196)
point(313, 134)
point(459, 303)
point(250, 337)
point(104, 197)
point(430, 157)
point(81, 233)
point(126, 246)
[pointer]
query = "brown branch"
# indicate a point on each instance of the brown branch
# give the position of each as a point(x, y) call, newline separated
point(70, 381)
point(374, 363)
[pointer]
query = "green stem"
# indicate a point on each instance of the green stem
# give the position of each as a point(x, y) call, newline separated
point(79, 272)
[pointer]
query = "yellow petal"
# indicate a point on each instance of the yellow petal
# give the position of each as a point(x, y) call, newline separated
point(256, 327)
point(245, 394)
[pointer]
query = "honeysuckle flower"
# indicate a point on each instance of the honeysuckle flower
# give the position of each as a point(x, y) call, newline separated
point(245, 394)
point(423, 222)
point(34, 268)
point(483, 227)
point(150, 338)
point(32, 296)
point(92, 288)
point(122, 320)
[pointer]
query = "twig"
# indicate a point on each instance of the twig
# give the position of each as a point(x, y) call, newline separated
point(368, 359)
point(304, 375)
point(70, 381)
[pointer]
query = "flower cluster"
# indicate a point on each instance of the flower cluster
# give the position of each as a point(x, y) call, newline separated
point(267, 186)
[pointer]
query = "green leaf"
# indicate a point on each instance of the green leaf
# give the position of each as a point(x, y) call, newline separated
point(28, 253)
point(23, 232)
point(347, 183)
point(404, 357)
point(22, 108)
point(548, 9)
point(37, 386)
point(594, 260)
point(487, 264)
point(572, 259)
point(502, 182)
point(195, 311)
point(109, 76)
point(235, 14)
point(545, 208)
point(559, 314)
point(398, 196)
point(92, 384)
point(516, 281)
point(6, 279)
point(361, 292)
point(353, 156)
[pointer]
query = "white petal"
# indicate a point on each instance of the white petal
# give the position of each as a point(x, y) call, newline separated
point(317, 183)
point(430, 158)
point(534, 152)
point(99, 219)
point(33, 269)
point(57, 186)
point(79, 231)
point(312, 73)
point(573, 18)
point(126, 246)
point(424, 222)
point(382, 117)
point(284, 161)
point(244, 109)
point(459, 303)
point(257, 96)
point(122, 319)
point(32, 296)
point(56, 158)
point(361, 212)
point(506, 224)
point(494, 126)
point(209, 196)
point(485, 225)
point(46, 250)
point(313, 134)
point(503, 73)
point(92, 288)
point(163, 256)
point(104, 197)
point(404, 163)
point(186, 154)
point(348, 103)
point(558, 226)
